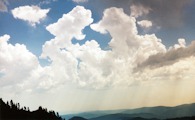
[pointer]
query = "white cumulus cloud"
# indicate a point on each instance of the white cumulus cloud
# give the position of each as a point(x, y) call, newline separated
point(31, 14)
point(89, 66)
point(181, 43)
point(64, 59)
point(145, 23)
point(16, 62)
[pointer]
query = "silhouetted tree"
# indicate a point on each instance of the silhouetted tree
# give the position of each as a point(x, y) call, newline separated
point(18, 106)
point(12, 112)
point(58, 114)
point(40, 108)
point(7, 103)
point(28, 109)
point(11, 103)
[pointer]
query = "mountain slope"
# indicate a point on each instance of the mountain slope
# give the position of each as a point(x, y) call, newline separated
point(77, 118)
point(166, 112)
point(92, 114)
point(159, 112)
point(120, 116)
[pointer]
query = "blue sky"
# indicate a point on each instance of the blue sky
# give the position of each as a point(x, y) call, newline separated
point(102, 52)
point(34, 37)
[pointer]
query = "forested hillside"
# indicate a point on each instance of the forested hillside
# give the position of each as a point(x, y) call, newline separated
point(13, 111)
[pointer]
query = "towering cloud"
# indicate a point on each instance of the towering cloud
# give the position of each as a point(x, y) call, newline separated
point(125, 39)
point(59, 50)
point(32, 14)
point(73, 23)
point(90, 66)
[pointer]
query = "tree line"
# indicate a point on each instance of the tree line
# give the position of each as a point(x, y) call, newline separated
point(13, 111)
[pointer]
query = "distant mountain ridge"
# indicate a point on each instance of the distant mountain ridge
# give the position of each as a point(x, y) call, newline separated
point(92, 114)
point(121, 116)
point(158, 112)
point(162, 112)
point(77, 118)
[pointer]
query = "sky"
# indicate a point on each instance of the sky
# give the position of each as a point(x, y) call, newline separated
point(84, 55)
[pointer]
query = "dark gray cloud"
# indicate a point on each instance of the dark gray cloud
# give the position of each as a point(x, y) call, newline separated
point(165, 13)
point(3, 7)
point(170, 57)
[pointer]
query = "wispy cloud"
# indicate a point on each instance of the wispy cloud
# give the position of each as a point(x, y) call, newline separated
point(45, 2)
point(139, 10)
point(3, 5)
point(80, 1)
